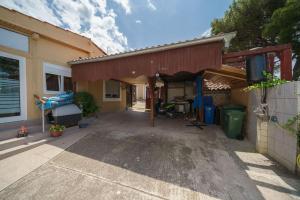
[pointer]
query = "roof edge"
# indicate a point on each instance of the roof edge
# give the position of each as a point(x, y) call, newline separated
point(224, 37)
point(55, 26)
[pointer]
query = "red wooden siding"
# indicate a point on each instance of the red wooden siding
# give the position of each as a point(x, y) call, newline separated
point(191, 59)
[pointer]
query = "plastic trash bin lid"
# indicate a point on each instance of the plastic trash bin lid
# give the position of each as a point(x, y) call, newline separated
point(70, 109)
point(235, 113)
point(233, 106)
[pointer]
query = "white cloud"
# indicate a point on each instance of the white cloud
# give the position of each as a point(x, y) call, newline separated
point(125, 4)
point(138, 21)
point(206, 33)
point(151, 5)
point(90, 18)
point(34, 8)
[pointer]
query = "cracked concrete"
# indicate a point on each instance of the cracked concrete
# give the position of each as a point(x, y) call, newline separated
point(125, 158)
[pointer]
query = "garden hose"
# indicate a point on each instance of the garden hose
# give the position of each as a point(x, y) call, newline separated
point(298, 160)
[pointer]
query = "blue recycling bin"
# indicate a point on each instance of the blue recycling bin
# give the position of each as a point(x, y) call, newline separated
point(209, 114)
point(207, 101)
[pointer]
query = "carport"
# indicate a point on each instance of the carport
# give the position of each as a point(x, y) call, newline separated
point(203, 57)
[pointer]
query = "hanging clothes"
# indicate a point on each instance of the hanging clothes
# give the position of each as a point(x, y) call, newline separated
point(56, 101)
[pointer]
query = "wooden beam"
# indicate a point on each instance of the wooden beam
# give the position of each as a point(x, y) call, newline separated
point(225, 75)
point(268, 49)
point(286, 64)
point(234, 70)
point(233, 60)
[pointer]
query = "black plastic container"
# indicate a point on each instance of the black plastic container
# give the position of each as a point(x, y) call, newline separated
point(255, 66)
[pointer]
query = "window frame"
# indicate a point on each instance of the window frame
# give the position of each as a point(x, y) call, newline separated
point(23, 89)
point(60, 71)
point(14, 40)
point(106, 99)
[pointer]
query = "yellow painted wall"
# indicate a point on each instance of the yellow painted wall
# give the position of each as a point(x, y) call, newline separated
point(43, 48)
point(96, 89)
point(238, 96)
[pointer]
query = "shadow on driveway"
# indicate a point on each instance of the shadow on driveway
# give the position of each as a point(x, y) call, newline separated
point(169, 161)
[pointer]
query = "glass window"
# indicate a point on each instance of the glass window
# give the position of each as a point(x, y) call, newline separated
point(9, 87)
point(57, 79)
point(52, 82)
point(14, 40)
point(112, 89)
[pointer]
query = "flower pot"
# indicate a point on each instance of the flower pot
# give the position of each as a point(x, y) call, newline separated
point(56, 133)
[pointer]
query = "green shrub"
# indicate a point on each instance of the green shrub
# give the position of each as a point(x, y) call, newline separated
point(270, 81)
point(56, 127)
point(86, 102)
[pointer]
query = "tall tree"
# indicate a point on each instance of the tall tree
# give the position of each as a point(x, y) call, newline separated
point(284, 27)
point(247, 18)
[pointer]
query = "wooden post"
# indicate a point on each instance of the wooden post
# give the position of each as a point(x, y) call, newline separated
point(151, 82)
point(286, 64)
point(166, 91)
point(201, 110)
point(74, 87)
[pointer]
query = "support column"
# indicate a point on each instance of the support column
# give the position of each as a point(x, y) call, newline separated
point(74, 86)
point(201, 110)
point(286, 64)
point(151, 81)
point(166, 91)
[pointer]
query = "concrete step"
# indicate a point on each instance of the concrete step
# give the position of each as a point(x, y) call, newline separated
point(10, 143)
point(23, 144)
point(12, 131)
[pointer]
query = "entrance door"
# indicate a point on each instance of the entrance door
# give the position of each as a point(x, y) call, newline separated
point(13, 99)
point(130, 95)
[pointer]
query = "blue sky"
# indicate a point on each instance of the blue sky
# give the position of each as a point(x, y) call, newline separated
point(172, 20)
point(119, 25)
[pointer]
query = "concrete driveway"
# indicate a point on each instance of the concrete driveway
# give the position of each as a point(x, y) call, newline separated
point(125, 158)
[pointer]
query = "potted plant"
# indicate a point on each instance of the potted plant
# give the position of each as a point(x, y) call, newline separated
point(23, 131)
point(56, 130)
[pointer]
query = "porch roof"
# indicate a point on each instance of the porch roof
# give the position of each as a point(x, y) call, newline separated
point(189, 56)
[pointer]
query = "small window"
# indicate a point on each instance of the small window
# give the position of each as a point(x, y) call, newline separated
point(52, 82)
point(112, 90)
point(57, 79)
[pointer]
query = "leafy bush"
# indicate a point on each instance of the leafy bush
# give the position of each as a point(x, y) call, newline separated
point(86, 102)
point(56, 127)
point(270, 81)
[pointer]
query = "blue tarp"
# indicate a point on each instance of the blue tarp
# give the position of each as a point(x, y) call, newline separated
point(56, 101)
point(199, 93)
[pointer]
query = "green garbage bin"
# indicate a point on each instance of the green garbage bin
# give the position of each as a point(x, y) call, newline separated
point(233, 123)
point(229, 107)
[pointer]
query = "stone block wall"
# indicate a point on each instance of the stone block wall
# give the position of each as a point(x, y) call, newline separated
point(283, 103)
point(262, 136)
